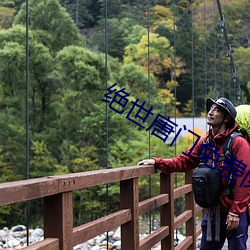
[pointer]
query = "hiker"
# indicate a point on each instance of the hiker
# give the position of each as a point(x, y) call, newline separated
point(221, 115)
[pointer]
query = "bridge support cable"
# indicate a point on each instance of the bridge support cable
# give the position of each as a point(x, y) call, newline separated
point(149, 132)
point(192, 74)
point(229, 54)
point(106, 117)
point(205, 48)
point(221, 46)
point(215, 52)
point(27, 204)
point(176, 239)
point(190, 205)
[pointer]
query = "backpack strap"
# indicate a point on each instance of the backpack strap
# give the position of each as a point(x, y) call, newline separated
point(227, 147)
point(217, 223)
point(209, 225)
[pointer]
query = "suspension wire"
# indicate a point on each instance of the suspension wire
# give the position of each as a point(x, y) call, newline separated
point(77, 13)
point(193, 74)
point(174, 74)
point(149, 142)
point(222, 69)
point(175, 95)
point(229, 83)
point(27, 206)
point(215, 53)
point(219, 65)
point(223, 80)
point(107, 121)
point(229, 54)
point(205, 50)
point(192, 23)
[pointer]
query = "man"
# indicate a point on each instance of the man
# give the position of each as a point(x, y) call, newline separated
point(221, 115)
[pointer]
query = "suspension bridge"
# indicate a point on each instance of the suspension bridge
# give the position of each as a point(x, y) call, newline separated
point(57, 191)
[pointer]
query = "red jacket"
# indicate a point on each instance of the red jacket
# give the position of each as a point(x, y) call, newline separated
point(240, 149)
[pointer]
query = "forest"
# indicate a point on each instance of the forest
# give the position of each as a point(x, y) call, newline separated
point(55, 71)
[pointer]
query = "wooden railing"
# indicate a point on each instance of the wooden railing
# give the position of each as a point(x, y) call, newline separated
point(56, 192)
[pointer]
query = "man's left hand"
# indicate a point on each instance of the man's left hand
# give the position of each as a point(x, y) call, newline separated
point(232, 222)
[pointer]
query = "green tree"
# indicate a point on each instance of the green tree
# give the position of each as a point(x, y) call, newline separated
point(53, 25)
point(13, 60)
point(241, 56)
point(12, 108)
point(13, 148)
point(6, 17)
point(84, 13)
point(42, 163)
point(117, 32)
point(161, 56)
point(137, 83)
point(161, 16)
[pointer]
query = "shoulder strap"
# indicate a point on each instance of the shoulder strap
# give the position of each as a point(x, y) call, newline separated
point(227, 147)
point(228, 143)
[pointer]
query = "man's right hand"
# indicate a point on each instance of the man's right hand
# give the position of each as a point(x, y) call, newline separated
point(146, 162)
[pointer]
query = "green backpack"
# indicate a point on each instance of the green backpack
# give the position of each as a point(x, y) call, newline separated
point(243, 120)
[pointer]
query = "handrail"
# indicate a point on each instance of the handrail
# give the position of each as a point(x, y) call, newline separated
point(24, 190)
point(58, 208)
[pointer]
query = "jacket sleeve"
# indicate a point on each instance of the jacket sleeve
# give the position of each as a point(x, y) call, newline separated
point(240, 152)
point(182, 163)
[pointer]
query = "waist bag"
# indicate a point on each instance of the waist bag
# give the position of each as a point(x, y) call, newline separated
point(207, 192)
point(206, 186)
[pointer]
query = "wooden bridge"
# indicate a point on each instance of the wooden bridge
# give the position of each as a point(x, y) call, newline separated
point(56, 192)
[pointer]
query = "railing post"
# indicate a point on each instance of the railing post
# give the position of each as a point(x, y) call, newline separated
point(167, 210)
point(58, 219)
point(190, 205)
point(129, 198)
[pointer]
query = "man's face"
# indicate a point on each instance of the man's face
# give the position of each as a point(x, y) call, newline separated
point(215, 116)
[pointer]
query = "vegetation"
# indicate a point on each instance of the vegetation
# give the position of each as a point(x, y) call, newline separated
point(72, 60)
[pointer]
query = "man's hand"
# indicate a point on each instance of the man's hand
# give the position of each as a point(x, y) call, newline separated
point(232, 221)
point(146, 162)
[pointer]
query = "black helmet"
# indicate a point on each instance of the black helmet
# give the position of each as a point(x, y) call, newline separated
point(223, 103)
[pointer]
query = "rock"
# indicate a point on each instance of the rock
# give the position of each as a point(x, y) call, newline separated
point(18, 247)
point(100, 238)
point(80, 246)
point(13, 243)
point(18, 228)
point(111, 239)
point(3, 233)
point(111, 233)
point(117, 234)
point(117, 244)
point(23, 240)
point(95, 248)
point(91, 242)
point(103, 243)
point(38, 232)
point(16, 238)
point(18, 234)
